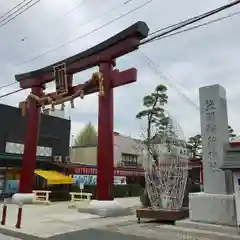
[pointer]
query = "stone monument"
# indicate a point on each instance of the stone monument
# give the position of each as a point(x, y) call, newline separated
point(216, 204)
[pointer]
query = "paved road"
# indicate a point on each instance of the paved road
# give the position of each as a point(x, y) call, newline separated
point(93, 234)
point(87, 234)
point(4, 237)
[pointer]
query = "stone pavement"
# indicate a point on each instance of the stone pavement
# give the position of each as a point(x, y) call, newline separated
point(124, 231)
point(59, 222)
point(124, 228)
point(49, 220)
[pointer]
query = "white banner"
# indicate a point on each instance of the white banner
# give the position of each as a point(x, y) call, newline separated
point(18, 148)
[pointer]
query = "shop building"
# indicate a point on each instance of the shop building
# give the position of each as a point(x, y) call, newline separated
point(127, 160)
point(53, 141)
point(126, 153)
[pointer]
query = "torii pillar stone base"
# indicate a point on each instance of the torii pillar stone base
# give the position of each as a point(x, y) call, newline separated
point(216, 205)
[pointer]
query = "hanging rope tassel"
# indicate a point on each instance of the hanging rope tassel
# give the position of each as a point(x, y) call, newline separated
point(23, 106)
point(99, 77)
point(100, 84)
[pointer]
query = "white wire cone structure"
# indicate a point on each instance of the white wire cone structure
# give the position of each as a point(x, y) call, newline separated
point(166, 174)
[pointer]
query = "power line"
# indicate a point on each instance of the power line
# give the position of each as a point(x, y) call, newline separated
point(8, 85)
point(82, 36)
point(12, 9)
point(6, 16)
point(199, 25)
point(63, 15)
point(105, 13)
point(158, 72)
point(189, 21)
point(13, 92)
point(4, 22)
point(171, 26)
point(175, 80)
point(90, 20)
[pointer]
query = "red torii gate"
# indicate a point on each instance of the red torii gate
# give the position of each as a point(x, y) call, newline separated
point(102, 55)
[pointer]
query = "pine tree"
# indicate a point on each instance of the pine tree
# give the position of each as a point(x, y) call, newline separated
point(155, 115)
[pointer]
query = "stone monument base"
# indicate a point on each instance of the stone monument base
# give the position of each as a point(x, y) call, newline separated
point(187, 224)
point(212, 208)
point(185, 229)
point(106, 209)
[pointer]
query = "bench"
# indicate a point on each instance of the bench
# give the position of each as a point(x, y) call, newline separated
point(42, 196)
point(80, 196)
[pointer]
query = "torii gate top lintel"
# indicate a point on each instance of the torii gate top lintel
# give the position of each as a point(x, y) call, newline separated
point(118, 45)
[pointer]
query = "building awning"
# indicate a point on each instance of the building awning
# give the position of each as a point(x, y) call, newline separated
point(54, 177)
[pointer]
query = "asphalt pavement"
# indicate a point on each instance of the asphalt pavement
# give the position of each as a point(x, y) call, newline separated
point(93, 234)
point(5, 237)
point(87, 234)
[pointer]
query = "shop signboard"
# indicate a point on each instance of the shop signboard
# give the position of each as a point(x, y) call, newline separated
point(117, 172)
point(92, 179)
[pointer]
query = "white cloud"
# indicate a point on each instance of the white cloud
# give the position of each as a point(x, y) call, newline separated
point(204, 56)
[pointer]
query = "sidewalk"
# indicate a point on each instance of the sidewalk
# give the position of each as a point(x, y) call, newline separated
point(57, 218)
point(59, 222)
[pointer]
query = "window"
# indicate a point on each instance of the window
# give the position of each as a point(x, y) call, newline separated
point(129, 160)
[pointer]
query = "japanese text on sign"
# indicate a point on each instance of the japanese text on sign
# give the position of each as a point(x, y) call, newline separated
point(210, 133)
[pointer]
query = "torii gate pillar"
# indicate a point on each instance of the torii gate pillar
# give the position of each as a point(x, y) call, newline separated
point(105, 155)
point(30, 147)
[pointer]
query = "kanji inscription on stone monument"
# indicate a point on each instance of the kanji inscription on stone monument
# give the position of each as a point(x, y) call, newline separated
point(214, 128)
